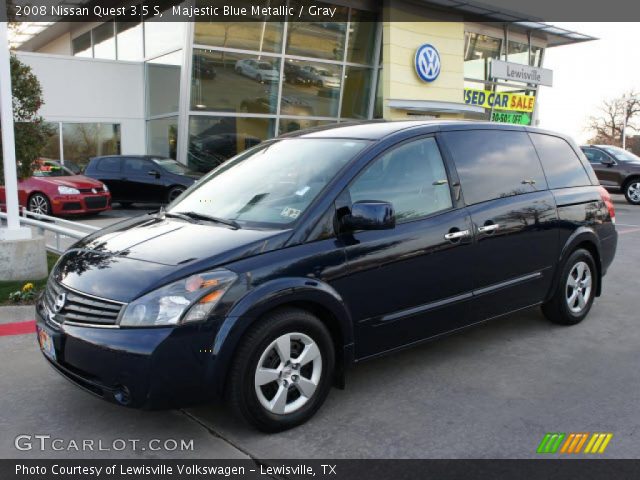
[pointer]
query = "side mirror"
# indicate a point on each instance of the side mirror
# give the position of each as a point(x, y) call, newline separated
point(154, 173)
point(369, 215)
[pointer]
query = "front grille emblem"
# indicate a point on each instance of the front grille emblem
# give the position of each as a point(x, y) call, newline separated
point(59, 303)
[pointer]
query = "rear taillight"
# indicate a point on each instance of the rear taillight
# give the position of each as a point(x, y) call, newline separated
point(606, 198)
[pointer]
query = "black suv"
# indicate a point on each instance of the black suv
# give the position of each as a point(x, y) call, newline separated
point(141, 178)
point(320, 249)
point(618, 170)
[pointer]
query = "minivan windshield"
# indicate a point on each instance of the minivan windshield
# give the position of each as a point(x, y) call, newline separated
point(621, 154)
point(270, 185)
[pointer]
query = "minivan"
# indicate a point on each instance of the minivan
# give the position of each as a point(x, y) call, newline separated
point(322, 248)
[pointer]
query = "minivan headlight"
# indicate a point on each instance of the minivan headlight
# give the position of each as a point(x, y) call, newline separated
point(187, 300)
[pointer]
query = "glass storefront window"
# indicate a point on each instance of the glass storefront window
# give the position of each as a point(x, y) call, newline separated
point(536, 56)
point(261, 35)
point(163, 84)
point(518, 53)
point(311, 88)
point(232, 82)
point(317, 39)
point(294, 124)
point(362, 35)
point(129, 39)
point(81, 46)
point(478, 50)
point(51, 149)
point(212, 140)
point(162, 137)
point(81, 141)
point(357, 92)
point(378, 108)
point(104, 42)
point(162, 36)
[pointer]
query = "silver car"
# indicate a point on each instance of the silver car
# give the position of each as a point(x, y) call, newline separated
point(258, 70)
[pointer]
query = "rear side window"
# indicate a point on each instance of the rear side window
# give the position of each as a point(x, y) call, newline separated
point(495, 163)
point(561, 165)
point(109, 165)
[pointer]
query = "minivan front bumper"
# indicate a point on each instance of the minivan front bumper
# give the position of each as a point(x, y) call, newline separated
point(137, 367)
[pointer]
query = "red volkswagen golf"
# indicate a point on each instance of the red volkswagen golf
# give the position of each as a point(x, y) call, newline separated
point(56, 190)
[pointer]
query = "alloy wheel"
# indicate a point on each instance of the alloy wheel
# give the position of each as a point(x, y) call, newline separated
point(38, 204)
point(288, 373)
point(578, 289)
point(633, 192)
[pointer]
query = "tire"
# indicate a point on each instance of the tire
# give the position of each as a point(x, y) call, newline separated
point(632, 191)
point(39, 203)
point(173, 193)
point(259, 78)
point(305, 333)
point(125, 204)
point(570, 305)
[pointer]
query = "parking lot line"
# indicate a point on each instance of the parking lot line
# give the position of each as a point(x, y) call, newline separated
point(17, 328)
point(631, 230)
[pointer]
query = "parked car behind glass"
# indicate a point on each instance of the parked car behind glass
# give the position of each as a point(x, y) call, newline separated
point(141, 178)
point(259, 70)
point(316, 250)
point(618, 170)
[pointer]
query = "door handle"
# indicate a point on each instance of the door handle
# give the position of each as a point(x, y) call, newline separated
point(488, 228)
point(457, 235)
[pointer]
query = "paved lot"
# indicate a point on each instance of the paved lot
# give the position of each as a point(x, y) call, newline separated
point(490, 392)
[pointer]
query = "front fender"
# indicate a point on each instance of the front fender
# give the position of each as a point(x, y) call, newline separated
point(266, 297)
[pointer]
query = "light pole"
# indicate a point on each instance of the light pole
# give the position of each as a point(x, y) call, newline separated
point(13, 230)
point(625, 101)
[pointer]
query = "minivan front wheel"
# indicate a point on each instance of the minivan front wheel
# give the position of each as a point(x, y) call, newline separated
point(282, 371)
point(575, 292)
point(632, 191)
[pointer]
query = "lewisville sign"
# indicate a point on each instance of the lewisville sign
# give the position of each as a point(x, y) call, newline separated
point(517, 72)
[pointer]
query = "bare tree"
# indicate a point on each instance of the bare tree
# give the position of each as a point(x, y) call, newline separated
point(607, 125)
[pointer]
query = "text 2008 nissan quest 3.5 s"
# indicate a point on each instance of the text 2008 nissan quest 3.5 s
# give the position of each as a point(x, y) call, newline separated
point(266, 279)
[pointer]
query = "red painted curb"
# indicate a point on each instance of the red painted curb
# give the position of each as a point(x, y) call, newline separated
point(17, 328)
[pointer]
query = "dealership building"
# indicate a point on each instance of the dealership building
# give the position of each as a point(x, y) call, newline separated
point(203, 91)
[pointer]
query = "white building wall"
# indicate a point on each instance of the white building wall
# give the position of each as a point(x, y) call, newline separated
point(90, 90)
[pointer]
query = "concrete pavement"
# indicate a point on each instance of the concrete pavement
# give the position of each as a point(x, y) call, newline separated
point(490, 392)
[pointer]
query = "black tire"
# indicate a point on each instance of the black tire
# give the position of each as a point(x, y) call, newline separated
point(557, 309)
point(173, 193)
point(631, 191)
point(241, 391)
point(125, 204)
point(39, 203)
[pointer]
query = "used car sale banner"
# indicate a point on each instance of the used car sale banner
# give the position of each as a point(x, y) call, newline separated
point(499, 100)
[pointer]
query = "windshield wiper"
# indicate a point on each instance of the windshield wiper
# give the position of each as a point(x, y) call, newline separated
point(209, 218)
point(177, 215)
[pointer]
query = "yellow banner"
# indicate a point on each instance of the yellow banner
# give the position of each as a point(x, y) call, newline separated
point(499, 100)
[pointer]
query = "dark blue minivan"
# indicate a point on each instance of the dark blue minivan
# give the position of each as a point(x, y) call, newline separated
point(316, 250)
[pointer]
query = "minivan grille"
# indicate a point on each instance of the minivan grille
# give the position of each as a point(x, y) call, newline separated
point(79, 307)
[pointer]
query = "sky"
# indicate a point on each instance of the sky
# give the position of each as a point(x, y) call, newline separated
point(587, 73)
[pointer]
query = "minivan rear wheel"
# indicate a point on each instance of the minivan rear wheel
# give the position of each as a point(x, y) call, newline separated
point(282, 371)
point(575, 292)
point(632, 191)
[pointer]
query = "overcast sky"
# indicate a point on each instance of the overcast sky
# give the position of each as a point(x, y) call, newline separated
point(586, 73)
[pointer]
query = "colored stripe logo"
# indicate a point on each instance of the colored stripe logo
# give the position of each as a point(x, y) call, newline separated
point(556, 442)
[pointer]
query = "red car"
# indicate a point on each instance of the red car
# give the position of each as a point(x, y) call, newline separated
point(56, 190)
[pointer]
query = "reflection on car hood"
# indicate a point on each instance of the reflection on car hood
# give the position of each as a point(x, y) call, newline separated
point(140, 254)
point(73, 181)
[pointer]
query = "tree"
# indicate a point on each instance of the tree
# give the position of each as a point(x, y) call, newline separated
point(607, 126)
point(31, 133)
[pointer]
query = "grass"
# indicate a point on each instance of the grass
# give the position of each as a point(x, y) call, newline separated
point(8, 287)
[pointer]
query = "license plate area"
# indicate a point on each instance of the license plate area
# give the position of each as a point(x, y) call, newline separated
point(46, 344)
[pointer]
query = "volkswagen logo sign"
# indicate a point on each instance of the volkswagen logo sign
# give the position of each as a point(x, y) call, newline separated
point(427, 62)
point(59, 303)
point(93, 190)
